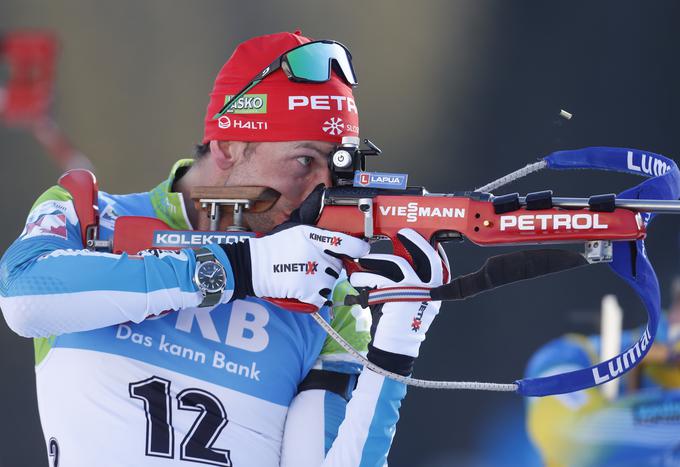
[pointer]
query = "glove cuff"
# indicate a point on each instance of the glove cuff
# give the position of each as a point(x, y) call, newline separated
point(394, 362)
point(239, 258)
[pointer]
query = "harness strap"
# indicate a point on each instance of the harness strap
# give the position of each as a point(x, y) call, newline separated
point(82, 185)
point(497, 271)
point(341, 384)
point(630, 260)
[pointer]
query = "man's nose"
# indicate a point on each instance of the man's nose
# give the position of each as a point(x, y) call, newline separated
point(323, 175)
point(320, 175)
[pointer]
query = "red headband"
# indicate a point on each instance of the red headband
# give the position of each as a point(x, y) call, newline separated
point(278, 109)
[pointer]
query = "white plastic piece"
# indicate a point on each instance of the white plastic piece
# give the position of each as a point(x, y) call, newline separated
point(342, 159)
point(565, 115)
point(611, 322)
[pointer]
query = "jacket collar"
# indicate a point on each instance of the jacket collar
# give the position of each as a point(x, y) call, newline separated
point(169, 205)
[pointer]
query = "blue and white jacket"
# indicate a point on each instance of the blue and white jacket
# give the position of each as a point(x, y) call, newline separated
point(122, 384)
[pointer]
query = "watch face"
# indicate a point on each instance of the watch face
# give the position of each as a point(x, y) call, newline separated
point(210, 277)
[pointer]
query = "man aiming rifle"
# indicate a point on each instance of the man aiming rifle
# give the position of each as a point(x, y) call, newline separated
point(223, 377)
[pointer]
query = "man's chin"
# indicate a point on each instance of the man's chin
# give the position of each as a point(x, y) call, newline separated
point(265, 222)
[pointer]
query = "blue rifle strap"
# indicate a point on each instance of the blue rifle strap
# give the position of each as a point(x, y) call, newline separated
point(630, 259)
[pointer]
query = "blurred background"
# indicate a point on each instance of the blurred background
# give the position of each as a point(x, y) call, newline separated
point(456, 93)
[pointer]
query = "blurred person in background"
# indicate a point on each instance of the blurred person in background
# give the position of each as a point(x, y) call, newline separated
point(639, 427)
point(172, 358)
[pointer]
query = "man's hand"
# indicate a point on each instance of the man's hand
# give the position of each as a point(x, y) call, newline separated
point(398, 328)
point(300, 262)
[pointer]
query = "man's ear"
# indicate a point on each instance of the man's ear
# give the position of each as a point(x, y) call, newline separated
point(222, 154)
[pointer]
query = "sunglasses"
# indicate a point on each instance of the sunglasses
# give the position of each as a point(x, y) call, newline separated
point(307, 63)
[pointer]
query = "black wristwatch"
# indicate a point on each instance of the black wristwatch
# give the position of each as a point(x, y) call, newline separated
point(209, 277)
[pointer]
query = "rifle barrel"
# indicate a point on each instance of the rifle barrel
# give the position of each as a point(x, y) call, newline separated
point(663, 206)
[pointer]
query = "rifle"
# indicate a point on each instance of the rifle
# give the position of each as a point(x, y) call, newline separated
point(375, 206)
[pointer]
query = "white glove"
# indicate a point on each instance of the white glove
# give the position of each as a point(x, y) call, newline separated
point(300, 262)
point(400, 327)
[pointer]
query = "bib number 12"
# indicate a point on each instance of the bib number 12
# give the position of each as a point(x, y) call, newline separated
point(197, 445)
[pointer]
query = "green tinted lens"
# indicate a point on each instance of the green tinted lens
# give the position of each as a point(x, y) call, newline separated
point(312, 62)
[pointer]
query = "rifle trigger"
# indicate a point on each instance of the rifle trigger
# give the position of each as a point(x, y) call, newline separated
point(443, 236)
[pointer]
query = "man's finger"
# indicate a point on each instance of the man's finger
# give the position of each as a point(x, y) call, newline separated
point(427, 262)
point(387, 268)
point(365, 279)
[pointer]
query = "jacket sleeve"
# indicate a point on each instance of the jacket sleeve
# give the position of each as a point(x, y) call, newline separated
point(50, 285)
point(322, 428)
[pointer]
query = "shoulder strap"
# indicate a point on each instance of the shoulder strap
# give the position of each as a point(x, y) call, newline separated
point(82, 185)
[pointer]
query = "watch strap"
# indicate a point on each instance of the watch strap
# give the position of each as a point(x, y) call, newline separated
point(210, 299)
point(204, 254)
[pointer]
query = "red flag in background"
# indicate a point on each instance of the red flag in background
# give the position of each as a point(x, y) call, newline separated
point(25, 97)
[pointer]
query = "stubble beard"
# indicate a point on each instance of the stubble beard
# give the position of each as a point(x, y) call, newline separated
point(263, 222)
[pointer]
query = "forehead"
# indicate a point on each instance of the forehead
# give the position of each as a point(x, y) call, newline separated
point(322, 148)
